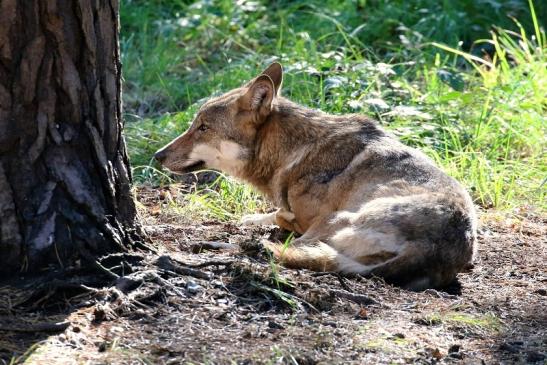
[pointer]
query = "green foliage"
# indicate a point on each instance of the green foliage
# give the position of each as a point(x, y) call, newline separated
point(224, 199)
point(443, 76)
point(145, 135)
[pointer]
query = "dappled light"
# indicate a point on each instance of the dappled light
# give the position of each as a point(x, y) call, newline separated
point(346, 182)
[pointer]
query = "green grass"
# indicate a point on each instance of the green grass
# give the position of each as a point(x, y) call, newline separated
point(487, 322)
point(444, 76)
point(223, 199)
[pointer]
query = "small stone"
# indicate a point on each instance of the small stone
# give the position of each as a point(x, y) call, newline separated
point(76, 329)
point(192, 287)
point(140, 312)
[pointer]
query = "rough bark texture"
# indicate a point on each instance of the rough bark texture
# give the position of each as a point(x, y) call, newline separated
point(64, 173)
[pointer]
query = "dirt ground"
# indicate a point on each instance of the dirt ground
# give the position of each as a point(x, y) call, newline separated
point(198, 303)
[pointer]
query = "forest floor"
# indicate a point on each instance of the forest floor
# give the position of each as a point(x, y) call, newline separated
point(197, 303)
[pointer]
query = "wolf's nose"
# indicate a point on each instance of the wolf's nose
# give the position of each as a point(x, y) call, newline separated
point(160, 156)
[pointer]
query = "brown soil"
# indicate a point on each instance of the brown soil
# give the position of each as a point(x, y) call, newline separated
point(199, 305)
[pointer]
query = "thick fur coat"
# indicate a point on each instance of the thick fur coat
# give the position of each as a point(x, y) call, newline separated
point(362, 201)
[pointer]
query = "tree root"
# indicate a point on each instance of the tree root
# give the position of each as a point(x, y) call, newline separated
point(34, 327)
point(166, 263)
point(212, 245)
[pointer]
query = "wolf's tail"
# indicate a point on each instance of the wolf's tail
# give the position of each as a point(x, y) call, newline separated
point(408, 271)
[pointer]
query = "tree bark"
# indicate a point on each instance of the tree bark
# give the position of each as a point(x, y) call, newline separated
point(64, 173)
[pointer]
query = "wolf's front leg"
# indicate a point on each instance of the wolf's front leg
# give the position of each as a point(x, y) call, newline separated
point(287, 220)
point(281, 217)
point(258, 219)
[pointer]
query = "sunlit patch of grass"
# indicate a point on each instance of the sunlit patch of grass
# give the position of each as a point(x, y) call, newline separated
point(382, 341)
point(393, 339)
point(486, 322)
point(224, 199)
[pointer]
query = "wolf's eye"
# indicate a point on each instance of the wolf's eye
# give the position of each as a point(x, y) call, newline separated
point(202, 128)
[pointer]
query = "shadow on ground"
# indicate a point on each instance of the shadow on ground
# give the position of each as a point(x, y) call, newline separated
point(221, 304)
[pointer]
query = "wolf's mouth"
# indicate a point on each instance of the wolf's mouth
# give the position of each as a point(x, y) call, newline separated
point(198, 165)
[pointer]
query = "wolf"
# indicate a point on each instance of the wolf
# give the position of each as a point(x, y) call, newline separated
point(362, 202)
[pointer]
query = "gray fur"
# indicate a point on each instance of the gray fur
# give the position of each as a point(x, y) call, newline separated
point(363, 201)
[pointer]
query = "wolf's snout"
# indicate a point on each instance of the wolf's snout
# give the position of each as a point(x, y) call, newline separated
point(160, 156)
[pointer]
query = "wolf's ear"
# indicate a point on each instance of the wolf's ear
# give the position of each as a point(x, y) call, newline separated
point(260, 95)
point(275, 72)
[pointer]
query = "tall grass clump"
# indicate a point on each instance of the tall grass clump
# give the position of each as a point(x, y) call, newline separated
point(501, 155)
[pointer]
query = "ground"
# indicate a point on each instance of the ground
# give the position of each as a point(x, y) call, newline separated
point(194, 302)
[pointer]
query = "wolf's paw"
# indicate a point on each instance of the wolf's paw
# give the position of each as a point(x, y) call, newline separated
point(258, 219)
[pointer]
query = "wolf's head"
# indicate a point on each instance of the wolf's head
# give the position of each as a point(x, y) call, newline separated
point(223, 132)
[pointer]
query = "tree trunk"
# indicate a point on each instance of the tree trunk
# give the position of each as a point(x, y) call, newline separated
point(64, 172)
